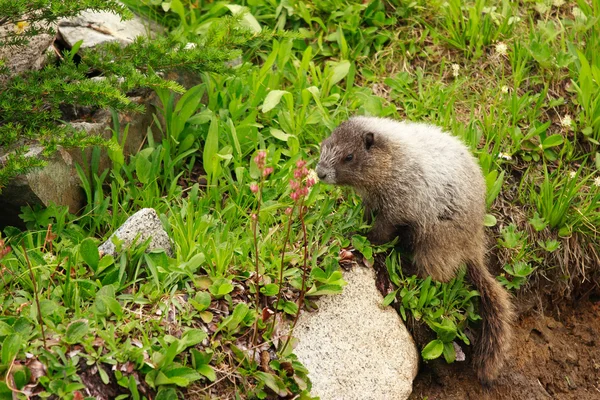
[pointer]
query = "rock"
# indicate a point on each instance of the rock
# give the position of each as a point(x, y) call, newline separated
point(95, 28)
point(140, 226)
point(353, 348)
point(56, 183)
point(24, 58)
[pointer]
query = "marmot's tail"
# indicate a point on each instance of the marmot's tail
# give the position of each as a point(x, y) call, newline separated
point(496, 310)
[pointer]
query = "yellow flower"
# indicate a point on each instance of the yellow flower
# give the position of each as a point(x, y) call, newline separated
point(20, 27)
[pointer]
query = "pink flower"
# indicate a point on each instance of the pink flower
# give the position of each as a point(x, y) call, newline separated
point(300, 163)
point(295, 196)
point(254, 187)
point(294, 185)
point(310, 182)
point(288, 211)
point(297, 174)
point(254, 217)
point(267, 171)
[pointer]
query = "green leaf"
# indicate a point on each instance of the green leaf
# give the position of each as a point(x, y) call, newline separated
point(192, 337)
point(449, 353)
point(89, 253)
point(339, 72)
point(211, 146)
point(489, 220)
point(10, 348)
point(103, 375)
point(273, 382)
point(143, 169)
point(270, 289)
point(248, 20)
point(208, 372)
point(433, 350)
point(553, 140)
point(290, 307)
point(279, 134)
point(272, 100)
point(76, 331)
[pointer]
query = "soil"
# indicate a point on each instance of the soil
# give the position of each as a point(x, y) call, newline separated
point(553, 357)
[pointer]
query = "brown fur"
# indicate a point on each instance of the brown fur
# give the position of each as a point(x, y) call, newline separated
point(437, 216)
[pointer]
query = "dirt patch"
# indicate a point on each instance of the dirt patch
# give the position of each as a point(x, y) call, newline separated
point(552, 358)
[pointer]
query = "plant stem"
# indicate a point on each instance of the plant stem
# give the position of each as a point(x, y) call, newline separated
point(256, 265)
point(35, 295)
point(285, 242)
point(304, 275)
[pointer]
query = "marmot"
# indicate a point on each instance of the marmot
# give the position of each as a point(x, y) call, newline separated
point(424, 186)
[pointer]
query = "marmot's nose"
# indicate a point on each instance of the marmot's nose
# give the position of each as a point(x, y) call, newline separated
point(320, 173)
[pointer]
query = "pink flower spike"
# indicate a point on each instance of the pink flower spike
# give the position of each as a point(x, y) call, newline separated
point(288, 211)
point(297, 174)
point(267, 171)
point(254, 188)
point(300, 163)
point(294, 196)
point(304, 171)
point(310, 182)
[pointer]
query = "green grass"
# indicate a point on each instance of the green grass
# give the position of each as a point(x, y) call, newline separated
point(519, 84)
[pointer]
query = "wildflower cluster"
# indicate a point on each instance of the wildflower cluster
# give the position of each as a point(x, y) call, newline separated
point(299, 184)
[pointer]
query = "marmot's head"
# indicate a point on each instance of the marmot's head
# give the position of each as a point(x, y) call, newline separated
point(353, 155)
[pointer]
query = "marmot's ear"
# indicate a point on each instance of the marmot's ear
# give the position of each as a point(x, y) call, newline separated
point(369, 140)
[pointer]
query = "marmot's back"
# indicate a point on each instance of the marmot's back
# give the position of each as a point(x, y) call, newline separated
point(450, 172)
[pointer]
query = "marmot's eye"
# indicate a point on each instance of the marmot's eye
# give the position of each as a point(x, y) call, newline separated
point(349, 157)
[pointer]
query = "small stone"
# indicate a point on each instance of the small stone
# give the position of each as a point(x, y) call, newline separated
point(140, 226)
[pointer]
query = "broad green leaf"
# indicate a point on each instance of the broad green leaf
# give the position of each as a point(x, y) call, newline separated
point(208, 372)
point(339, 72)
point(270, 289)
point(89, 253)
point(279, 134)
point(272, 100)
point(553, 140)
point(10, 348)
point(489, 220)
point(433, 350)
point(76, 331)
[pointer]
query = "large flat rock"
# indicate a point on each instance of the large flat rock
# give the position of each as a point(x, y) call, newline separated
point(353, 348)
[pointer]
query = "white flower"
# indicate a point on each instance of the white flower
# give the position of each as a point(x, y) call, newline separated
point(572, 174)
point(505, 156)
point(566, 121)
point(455, 69)
point(190, 46)
point(504, 89)
point(558, 3)
point(578, 13)
point(312, 174)
point(501, 48)
point(597, 181)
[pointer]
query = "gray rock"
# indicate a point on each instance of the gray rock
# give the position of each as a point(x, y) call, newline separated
point(138, 228)
point(95, 28)
point(24, 58)
point(56, 183)
point(353, 348)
